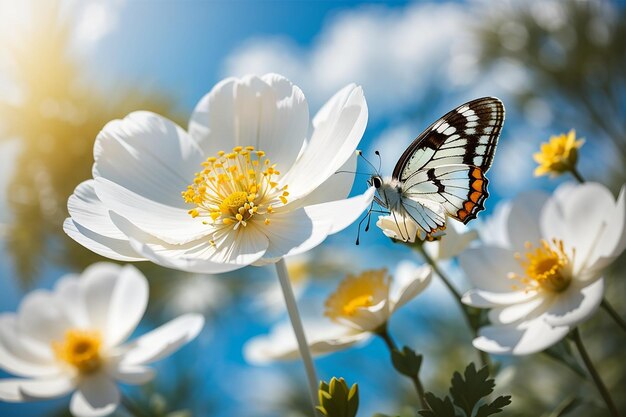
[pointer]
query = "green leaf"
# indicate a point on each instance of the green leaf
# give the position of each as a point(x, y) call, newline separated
point(466, 393)
point(407, 362)
point(337, 400)
point(438, 407)
point(494, 408)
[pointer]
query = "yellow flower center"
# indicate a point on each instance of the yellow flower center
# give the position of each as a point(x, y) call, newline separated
point(546, 267)
point(235, 188)
point(356, 292)
point(81, 349)
point(558, 155)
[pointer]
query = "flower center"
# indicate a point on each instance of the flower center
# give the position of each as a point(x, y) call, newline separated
point(235, 188)
point(546, 267)
point(356, 292)
point(81, 349)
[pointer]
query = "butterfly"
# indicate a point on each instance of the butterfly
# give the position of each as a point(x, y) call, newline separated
point(442, 173)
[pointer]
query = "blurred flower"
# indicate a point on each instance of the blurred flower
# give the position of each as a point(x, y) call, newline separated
point(443, 245)
point(542, 275)
point(269, 299)
point(390, 225)
point(358, 308)
point(237, 207)
point(559, 155)
point(201, 294)
point(70, 339)
point(456, 239)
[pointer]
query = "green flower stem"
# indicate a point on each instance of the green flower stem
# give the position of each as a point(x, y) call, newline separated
point(132, 407)
point(383, 332)
point(296, 323)
point(614, 314)
point(469, 318)
point(577, 175)
point(604, 392)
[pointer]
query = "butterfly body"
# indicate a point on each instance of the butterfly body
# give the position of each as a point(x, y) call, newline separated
point(442, 173)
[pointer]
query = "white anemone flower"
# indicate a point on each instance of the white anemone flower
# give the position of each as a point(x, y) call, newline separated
point(541, 270)
point(456, 238)
point(360, 307)
point(72, 339)
point(246, 184)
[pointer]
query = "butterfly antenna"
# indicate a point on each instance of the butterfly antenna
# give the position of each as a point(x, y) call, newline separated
point(352, 172)
point(380, 161)
point(360, 153)
point(367, 216)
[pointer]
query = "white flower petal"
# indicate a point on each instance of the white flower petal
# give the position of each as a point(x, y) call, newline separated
point(486, 299)
point(86, 209)
point(338, 128)
point(41, 318)
point(237, 249)
point(163, 341)
point(408, 281)
point(281, 344)
point(269, 113)
point(579, 216)
point(18, 357)
point(514, 313)
point(293, 232)
point(132, 374)
point(398, 227)
point(96, 396)
point(117, 249)
point(22, 390)
point(576, 304)
point(522, 225)
point(127, 305)
point(148, 155)
point(101, 284)
point(69, 293)
point(530, 337)
point(456, 239)
point(336, 187)
point(488, 268)
point(341, 213)
point(170, 224)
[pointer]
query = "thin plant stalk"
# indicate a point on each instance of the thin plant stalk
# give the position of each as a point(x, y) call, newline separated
point(614, 314)
point(296, 324)
point(391, 345)
point(132, 407)
point(484, 357)
point(577, 175)
point(604, 392)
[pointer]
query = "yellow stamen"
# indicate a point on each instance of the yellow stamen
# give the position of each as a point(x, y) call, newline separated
point(234, 187)
point(546, 267)
point(356, 292)
point(81, 349)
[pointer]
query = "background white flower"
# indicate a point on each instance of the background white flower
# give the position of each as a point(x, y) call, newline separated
point(541, 273)
point(255, 185)
point(455, 239)
point(359, 307)
point(70, 339)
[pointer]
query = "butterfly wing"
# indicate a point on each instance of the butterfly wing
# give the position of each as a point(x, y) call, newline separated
point(446, 164)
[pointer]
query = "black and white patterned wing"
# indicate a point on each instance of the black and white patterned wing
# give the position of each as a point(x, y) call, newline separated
point(448, 161)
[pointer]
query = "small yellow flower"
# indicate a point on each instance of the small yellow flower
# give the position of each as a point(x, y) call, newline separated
point(559, 155)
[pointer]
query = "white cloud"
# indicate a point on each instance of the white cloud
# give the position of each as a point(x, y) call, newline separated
point(89, 20)
point(397, 54)
point(94, 20)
